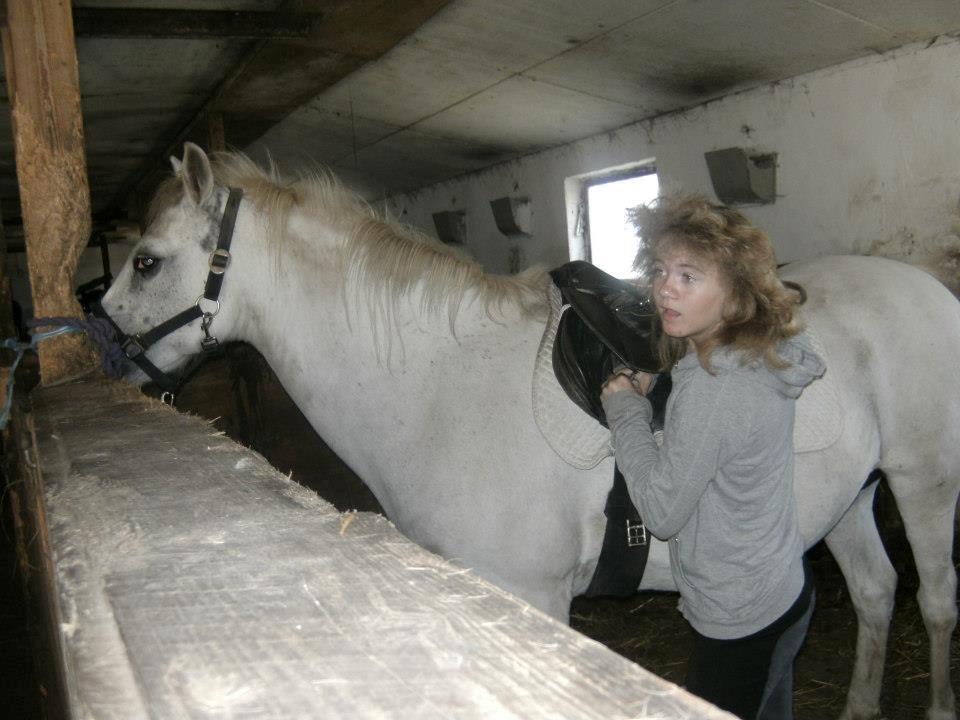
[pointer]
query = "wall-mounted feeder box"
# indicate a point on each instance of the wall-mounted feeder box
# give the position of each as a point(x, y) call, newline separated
point(451, 226)
point(741, 179)
point(512, 215)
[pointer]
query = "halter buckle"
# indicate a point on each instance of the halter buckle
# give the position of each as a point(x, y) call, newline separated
point(132, 347)
point(219, 260)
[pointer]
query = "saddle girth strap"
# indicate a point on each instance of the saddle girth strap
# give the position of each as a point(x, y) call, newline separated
point(623, 557)
point(626, 546)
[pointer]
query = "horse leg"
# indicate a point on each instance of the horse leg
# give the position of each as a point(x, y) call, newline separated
point(555, 603)
point(928, 518)
point(871, 581)
point(552, 596)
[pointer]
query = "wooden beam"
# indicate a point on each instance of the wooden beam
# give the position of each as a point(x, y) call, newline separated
point(217, 139)
point(276, 77)
point(281, 77)
point(7, 327)
point(192, 24)
point(43, 84)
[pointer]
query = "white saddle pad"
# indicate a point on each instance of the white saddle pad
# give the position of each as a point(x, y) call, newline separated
point(583, 442)
point(819, 418)
point(573, 434)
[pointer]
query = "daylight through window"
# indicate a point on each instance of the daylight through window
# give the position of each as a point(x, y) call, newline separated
point(613, 242)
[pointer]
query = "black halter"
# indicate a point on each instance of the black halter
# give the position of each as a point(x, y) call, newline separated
point(135, 346)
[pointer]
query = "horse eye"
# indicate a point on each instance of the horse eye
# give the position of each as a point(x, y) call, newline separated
point(144, 264)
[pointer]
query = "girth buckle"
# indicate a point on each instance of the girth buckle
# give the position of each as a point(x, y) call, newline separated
point(636, 533)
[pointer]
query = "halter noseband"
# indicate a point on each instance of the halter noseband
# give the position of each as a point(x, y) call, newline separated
point(135, 346)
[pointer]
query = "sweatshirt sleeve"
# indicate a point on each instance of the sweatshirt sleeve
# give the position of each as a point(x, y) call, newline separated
point(666, 482)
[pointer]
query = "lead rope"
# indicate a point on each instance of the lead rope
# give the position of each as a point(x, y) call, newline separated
point(97, 329)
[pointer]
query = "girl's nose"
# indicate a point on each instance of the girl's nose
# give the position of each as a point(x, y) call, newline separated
point(666, 290)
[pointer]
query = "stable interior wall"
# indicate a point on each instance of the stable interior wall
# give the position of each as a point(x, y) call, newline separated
point(868, 156)
point(90, 267)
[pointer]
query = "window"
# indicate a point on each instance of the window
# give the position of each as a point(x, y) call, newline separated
point(610, 238)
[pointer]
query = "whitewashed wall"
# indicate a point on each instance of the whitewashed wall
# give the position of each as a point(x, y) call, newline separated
point(868, 151)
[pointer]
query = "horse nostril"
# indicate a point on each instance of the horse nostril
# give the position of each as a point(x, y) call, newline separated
point(146, 320)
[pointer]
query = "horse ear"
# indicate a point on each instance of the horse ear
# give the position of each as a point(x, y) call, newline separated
point(196, 173)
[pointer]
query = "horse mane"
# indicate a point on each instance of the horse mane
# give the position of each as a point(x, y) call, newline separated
point(386, 259)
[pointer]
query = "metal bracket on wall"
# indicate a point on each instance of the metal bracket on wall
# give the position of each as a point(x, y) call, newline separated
point(512, 215)
point(741, 179)
point(451, 226)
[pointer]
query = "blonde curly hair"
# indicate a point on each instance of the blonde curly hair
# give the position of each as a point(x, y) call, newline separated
point(759, 311)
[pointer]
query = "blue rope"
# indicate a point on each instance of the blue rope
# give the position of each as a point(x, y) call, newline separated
point(20, 348)
point(100, 331)
point(97, 329)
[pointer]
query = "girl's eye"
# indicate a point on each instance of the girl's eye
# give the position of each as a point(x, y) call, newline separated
point(144, 264)
point(688, 278)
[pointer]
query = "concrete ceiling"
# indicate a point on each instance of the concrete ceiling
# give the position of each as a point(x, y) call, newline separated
point(398, 94)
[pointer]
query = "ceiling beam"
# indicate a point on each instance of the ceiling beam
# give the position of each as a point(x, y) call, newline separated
point(275, 77)
point(90, 22)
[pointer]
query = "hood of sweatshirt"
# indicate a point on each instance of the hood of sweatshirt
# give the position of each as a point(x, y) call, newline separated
point(805, 365)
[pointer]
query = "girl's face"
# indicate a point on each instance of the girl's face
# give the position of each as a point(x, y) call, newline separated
point(690, 294)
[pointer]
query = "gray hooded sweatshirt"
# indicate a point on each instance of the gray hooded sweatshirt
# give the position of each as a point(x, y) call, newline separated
point(720, 488)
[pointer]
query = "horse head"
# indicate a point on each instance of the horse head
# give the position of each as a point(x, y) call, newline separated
point(161, 300)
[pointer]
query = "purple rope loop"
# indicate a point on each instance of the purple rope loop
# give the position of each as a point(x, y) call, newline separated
point(99, 331)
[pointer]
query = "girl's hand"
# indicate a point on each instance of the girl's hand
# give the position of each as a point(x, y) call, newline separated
point(638, 382)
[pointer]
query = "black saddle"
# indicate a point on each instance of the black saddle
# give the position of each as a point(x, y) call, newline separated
point(610, 324)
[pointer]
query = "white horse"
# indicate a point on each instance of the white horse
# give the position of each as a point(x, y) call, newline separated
point(415, 366)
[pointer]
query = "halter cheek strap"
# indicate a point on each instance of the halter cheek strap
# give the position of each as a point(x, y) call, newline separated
point(135, 346)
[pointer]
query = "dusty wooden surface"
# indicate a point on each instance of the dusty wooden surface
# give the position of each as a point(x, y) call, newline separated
point(194, 581)
point(40, 61)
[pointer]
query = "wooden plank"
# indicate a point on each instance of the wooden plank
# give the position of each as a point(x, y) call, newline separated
point(34, 556)
point(193, 580)
point(43, 83)
point(193, 24)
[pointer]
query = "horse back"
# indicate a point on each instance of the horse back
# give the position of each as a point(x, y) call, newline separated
point(891, 335)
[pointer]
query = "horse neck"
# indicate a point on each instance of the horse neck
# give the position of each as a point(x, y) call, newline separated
point(356, 366)
point(290, 304)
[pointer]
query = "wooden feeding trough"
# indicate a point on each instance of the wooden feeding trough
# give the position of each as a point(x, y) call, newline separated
point(185, 577)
